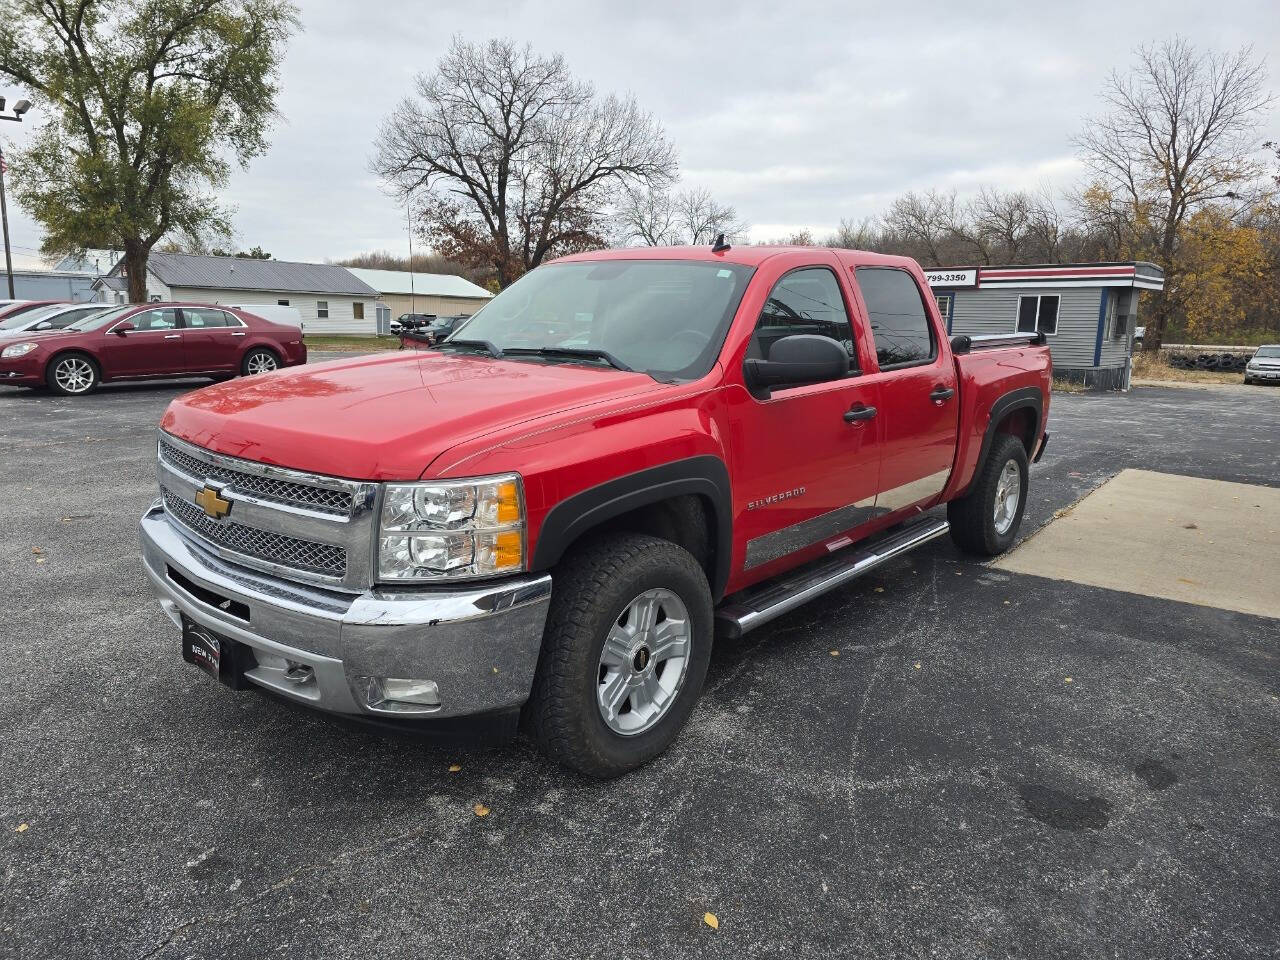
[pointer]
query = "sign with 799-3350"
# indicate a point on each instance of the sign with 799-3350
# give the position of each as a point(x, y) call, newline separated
point(953, 277)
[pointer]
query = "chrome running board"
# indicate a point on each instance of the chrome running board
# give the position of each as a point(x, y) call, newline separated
point(756, 607)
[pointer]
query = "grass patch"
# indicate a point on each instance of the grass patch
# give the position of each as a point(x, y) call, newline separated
point(1067, 386)
point(1148, 367)
point(350, 343)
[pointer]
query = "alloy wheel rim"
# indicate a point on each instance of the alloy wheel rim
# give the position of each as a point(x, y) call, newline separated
point(74, 375)
point(261, 363)
point(1008, 494)
point(644, 662)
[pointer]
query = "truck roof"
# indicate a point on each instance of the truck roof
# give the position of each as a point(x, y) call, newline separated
point(746, 255)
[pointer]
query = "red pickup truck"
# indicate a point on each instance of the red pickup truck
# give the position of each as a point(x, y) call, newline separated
point(549, 516)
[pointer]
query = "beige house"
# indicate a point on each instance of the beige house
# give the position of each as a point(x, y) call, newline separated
point(441, 294)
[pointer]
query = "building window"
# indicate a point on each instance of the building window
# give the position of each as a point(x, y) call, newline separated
point(899, 324)
point(1038, 313)
point(322, 309)
point(357, 311)
point(1118, 313)
point(945, 301)
point(282, 303)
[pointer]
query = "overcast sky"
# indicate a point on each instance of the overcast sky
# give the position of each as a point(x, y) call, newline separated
point(797, 114)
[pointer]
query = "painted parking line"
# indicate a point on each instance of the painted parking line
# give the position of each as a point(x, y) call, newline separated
point(1207, 542)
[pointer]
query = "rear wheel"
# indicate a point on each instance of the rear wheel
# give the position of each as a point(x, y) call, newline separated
point(259, 360)
point(986, 521)
point(73, 374)
point(625, 651)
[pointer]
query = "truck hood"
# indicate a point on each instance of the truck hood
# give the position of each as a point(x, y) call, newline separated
point(385, 417)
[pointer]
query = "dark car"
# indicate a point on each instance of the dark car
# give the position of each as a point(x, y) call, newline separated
point(411, 321)
point(442, 327)
point(149, 341)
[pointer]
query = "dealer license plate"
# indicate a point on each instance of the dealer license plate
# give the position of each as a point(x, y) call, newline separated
point(201, 647)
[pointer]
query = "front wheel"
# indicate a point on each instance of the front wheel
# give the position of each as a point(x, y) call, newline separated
point(986, 521)
point(259, 360)
point(624, 654)
point(73, 375)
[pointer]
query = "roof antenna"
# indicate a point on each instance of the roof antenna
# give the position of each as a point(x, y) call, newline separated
point(720, 245)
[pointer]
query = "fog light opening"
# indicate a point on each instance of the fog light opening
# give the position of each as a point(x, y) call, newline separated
point(402, 695)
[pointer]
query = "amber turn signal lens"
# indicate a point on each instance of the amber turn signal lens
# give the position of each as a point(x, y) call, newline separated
point(507, 550)
point(508, 502)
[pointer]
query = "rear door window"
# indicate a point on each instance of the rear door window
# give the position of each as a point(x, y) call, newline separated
point(899, 323)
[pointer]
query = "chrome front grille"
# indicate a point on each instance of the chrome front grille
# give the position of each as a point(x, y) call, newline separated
point(276, 548)
point(273, 489)
point(304, 527)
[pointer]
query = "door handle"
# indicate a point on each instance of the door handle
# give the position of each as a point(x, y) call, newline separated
point(173, 336)
point(941, 393)
point(237, 334)
point(859, 413)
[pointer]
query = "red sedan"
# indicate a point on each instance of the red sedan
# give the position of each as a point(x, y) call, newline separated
point(150, 341)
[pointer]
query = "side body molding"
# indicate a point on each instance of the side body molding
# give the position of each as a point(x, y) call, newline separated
point(1027, 398)
point(706, 476)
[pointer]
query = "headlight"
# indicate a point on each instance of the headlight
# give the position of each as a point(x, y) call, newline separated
point(452, 529)
point(17, 350)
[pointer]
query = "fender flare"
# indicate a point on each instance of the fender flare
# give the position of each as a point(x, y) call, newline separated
point(1026, 398)
point(705, 475)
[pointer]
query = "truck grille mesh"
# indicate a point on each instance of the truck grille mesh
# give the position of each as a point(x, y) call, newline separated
point(321, 558)
point(322, 499)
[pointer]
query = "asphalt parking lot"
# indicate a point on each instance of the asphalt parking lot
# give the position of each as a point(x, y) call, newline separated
point(989, 764)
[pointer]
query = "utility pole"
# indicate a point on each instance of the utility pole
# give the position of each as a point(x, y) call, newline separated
point(408, 215)
point(19, 108)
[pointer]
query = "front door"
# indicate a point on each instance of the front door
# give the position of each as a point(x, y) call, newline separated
point(152, 348)
point(917, 387)
point(211, 339)
point(806, 457)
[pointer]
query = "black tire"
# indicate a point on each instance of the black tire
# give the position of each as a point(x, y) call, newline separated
point(259, 354)
point(973, 522)
point(592, 590)
point(58, 373)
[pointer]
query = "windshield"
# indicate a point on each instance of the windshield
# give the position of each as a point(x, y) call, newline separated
point(1268, 352)
point(97, 321)
point(30, 315)
point(666, 318)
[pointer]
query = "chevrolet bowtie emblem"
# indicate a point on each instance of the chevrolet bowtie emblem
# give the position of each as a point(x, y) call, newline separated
point(212, 502)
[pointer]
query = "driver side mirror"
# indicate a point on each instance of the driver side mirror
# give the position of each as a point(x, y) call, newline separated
point(42, 325)
point(802, 358)
point(123, 327)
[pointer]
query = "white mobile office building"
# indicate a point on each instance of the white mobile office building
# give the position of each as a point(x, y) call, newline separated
point(1087, 311)
point(328, 298)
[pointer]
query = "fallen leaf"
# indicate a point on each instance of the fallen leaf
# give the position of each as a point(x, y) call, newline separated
point(1185, 580)
point(22, 828)
point(917, 665)
point(495, 669)
point(455, 767)
point(40, 560)
point(481, 810)
point(959, 573)
point(711, 920)
point(1189, 526)
point(835, 653)
point(879, 589)
point(1006, 603)
point(1068, 680)
point(36, 550)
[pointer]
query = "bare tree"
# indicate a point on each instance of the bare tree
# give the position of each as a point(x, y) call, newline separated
point(866, 234)
point(923, 222)
point(1178, 134)
point(510, 160)
point(658, 218)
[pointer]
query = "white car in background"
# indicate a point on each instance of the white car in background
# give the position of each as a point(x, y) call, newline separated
point(55, 316)
point(290, 316)
point(1264, 366)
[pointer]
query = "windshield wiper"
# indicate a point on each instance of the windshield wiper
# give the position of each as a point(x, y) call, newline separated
point(584, 353)
point(488, 346)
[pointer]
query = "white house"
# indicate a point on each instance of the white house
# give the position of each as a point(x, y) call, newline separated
point(442, 294)
point(329, 298)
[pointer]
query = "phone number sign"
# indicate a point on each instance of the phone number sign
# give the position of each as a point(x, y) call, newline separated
point(952, 278)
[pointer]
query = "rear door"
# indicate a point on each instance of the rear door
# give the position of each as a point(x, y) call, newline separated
point(918, 389)
point(804, 474)
point(212, 339)
point(152, 348)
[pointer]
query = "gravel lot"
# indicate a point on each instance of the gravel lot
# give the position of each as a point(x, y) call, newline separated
point(993, 765)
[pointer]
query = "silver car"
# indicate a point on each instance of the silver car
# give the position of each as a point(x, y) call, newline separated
point(1264, 366)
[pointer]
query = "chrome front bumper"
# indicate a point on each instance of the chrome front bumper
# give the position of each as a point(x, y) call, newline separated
point(478, 642)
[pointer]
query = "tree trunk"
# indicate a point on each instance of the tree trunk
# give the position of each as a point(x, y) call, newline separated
point(135, 265)
point(1153, 336)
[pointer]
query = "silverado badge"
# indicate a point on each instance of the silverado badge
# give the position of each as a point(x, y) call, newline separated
point(212, 502)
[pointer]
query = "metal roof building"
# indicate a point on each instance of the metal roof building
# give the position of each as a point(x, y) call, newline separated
point(441, 294)
point(1087, 311)
point(328, 297)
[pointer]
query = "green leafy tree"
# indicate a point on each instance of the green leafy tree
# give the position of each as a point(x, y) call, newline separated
point(144, 104)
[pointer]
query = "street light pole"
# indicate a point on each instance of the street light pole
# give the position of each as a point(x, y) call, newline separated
point(19, 108)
